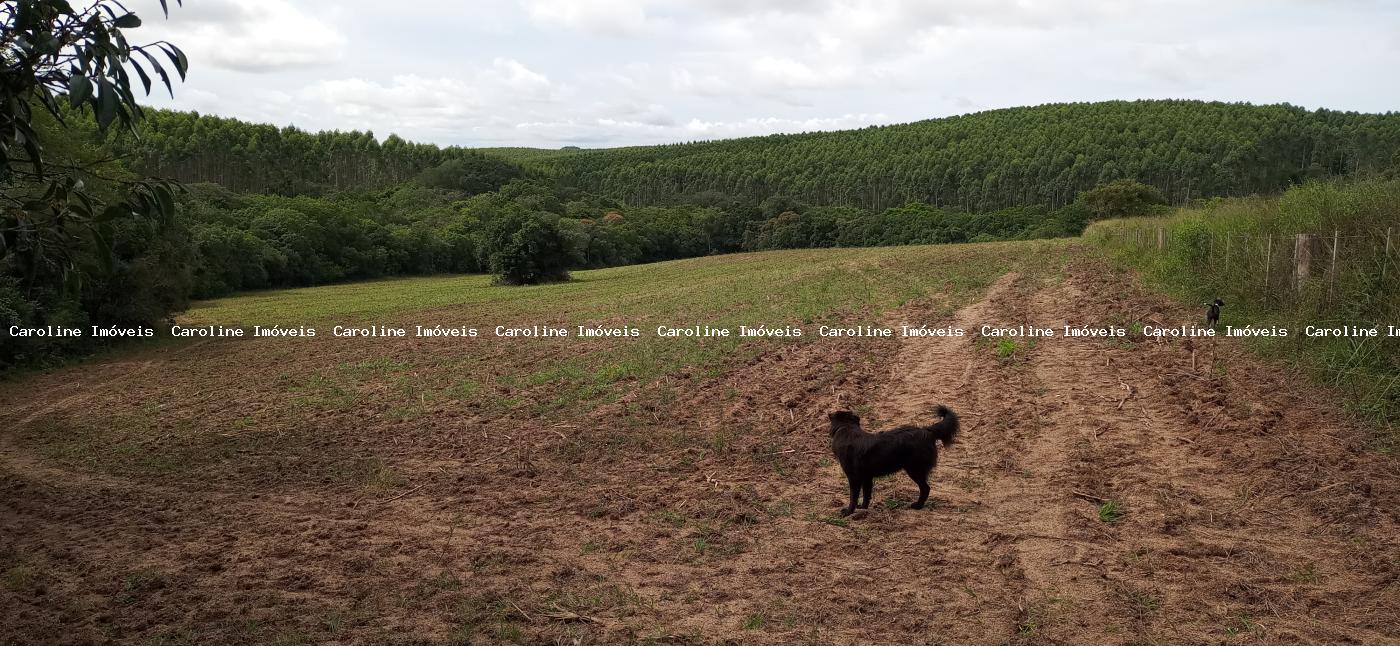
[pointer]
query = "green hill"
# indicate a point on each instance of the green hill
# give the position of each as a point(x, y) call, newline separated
point(991, 160)
point(1042, 155)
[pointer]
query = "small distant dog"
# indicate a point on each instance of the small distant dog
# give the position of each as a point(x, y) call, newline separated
point(1213, 314)
point(866, 456)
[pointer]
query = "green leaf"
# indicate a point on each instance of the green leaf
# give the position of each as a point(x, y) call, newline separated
point(106, 103)
point(164, 78)
point(177, 57)
point(79, 89)
point(145, 80)
point(129, 21)
point(47, 99)
point(165, 201)
point(165, 7)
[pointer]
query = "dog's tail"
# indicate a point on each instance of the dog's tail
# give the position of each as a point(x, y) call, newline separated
point(947, 428)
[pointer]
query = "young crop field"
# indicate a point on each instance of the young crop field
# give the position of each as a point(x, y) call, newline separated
point(360, 487)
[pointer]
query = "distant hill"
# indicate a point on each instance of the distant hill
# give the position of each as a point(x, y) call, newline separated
point(1042, 155)
point(990, 160)
point(263, 158)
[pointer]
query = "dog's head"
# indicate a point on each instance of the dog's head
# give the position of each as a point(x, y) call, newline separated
point(843, 419)
point(1219, 302)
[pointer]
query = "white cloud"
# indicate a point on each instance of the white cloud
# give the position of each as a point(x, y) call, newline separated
point(622, 72)
point(766, 125)
point(609, 17)
point(596, 130)
point(488, 97)
point(247, 35)
point(687, 82)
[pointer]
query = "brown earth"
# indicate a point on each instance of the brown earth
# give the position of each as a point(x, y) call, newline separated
point(1104, 491)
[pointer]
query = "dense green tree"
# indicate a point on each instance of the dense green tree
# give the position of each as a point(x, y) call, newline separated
point(527, 249)
point(82, 240)
point(472, 174)
point(1121, 198)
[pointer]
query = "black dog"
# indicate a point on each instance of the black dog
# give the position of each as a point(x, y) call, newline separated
point(866, 456)
point(1213, 314)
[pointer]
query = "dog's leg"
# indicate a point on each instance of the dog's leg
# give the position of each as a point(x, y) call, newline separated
point(920, 477)
point(855, 491)
point(866, 488)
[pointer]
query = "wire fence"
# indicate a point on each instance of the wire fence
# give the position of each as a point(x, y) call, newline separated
point(1325, 266)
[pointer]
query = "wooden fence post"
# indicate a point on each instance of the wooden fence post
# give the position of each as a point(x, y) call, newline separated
point(1302, 260)
point(1332, 273)
point(1161, 238)
point(1268, 260)
point(1385, 260)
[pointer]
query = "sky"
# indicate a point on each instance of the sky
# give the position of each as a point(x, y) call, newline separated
point(596, 73)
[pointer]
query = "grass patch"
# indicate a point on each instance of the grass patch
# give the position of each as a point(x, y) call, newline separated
point(830, 520)
point(802, 287)
point(755, 621)
point(1111, 511)
point(1035, 615)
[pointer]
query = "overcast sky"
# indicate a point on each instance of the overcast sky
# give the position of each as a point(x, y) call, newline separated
point(619, 72)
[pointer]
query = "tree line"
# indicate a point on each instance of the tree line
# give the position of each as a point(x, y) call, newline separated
point(247, 241)
point(262, 158)
point(997, 159)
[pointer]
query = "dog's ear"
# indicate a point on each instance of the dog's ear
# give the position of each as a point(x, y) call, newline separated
point(844, 417)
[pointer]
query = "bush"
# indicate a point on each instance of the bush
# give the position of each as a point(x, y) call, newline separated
point(473, 174)
point(527, 249)
point(1121, 198)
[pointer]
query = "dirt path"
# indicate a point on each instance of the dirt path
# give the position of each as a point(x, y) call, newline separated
point(1084, 478)
point(1009, 476)
point(1243, 509)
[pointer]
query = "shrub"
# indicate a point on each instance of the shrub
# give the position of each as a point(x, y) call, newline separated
point(1121, 198)
point(527, 249)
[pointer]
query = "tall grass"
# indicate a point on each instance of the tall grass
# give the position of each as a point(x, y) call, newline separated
point(1247, 252)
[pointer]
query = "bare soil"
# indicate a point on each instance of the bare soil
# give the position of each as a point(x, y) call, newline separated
point(1108, 491)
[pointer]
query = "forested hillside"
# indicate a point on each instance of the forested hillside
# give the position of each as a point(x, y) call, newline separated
point(991, 160)
point(1043, 155)
point(272, 207)
point(262, 158)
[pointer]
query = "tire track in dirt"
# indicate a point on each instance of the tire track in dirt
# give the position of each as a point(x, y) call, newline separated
point(1049, 435)
point(971, 484)
point(15, 460)
point(1060, 530)
point(1204, 551)
point(1120, 444)
point(1031, 513)
point(1198, 555)
point(929, 368)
